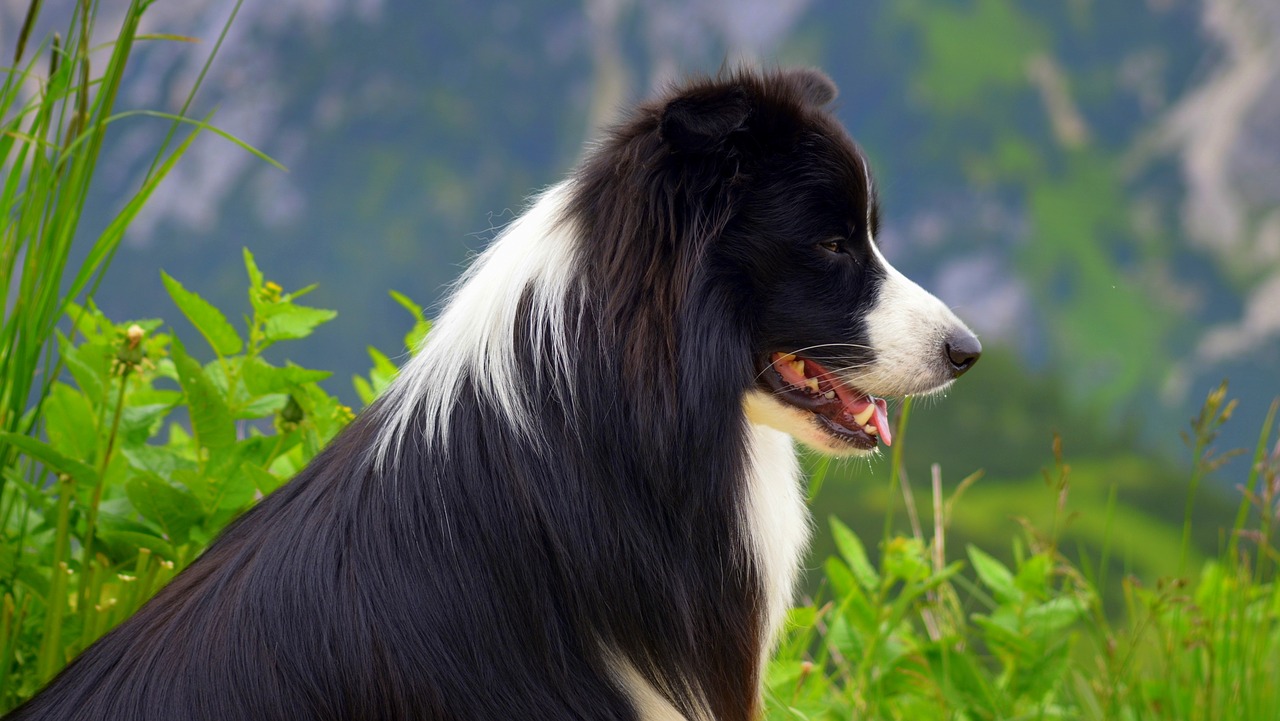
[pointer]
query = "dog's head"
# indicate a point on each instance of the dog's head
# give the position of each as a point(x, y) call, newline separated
point(833, 327)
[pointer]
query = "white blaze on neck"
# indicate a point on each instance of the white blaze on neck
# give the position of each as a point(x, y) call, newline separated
point(777, 521)
point(474, 338)
point(648, 703)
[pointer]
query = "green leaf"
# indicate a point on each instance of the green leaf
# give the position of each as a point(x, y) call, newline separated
point(141, 422)
point(994, 574)
point(1034, 575)
point(421, 326)
point(1001, 635)
point(382, 373)
point(301, 292)
point(364, 390)
point(287, 321)
point(965, 684)
point(89, 363)
point(783, 675)
point(174, 510)
point(84, 475)
point(210, 418)
point(70, 422)
point(844, 637)
point(201, 125)
point(125, 544)
point(841, 579)
point(263, 406)
point(1054, 615)
point(160, 460)
point(207, 319)
point(255, 275)
point(262, 378)
point(802, 617)
point(224, 485)
point(264, 480)
point(856, 556)
point(905, 559)
point(407, 304)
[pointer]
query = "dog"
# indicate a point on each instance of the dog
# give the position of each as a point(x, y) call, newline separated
point(580, 499)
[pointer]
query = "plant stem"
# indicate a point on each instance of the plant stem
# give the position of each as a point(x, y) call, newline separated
point(92, 517)
point(895, 466)
point(48, 659)
point(1259, 455)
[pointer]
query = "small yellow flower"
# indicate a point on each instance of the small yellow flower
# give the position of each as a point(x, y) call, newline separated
point(271, 292)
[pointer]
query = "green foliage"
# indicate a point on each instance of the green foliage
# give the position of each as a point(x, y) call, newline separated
point(151, 453)
point(918, 637)
point(80, 397)
point(384, 370)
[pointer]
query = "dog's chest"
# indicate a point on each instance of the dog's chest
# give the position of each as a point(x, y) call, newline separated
point(777, 519)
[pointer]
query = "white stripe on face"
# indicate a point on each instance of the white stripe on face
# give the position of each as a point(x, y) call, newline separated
point(908, 329)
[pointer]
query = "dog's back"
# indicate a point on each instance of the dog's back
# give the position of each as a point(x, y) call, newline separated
point(326, 601)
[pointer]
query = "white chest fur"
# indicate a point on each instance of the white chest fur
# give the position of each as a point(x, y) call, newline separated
point(777, 519)
point(777, 526)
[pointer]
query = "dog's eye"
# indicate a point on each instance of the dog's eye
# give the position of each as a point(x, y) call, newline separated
point(832, 245)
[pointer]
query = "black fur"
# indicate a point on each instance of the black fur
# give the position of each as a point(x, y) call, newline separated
point(497, 576)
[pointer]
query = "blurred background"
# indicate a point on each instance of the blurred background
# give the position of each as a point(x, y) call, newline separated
point(1094, 185)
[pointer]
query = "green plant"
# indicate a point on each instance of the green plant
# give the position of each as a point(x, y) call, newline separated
point(152, 453)
point(903, 641)
point(916, 637)
point(69, 566)
point(51, 136)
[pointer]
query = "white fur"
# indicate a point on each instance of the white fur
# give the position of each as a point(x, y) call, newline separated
point(649, 704)
point(475, 336)
point(907, 328)
point(777, 524)
point(777, 519)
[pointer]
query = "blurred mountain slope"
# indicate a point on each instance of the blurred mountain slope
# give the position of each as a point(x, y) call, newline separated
point(1092, 184)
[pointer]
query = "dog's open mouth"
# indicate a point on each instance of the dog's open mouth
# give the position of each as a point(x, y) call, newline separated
point(849, 414)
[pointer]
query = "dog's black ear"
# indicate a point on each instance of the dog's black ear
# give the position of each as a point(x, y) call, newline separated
point(701, 119)
point(814, 86)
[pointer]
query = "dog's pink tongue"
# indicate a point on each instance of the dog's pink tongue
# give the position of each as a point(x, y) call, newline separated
point(881, 421)
point(855, 404)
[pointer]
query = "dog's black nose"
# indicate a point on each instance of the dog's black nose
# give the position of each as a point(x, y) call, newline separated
point(963, 350)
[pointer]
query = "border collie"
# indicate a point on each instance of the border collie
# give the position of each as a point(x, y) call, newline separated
point(580, 500)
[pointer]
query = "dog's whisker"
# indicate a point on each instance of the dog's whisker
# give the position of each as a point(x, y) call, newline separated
point(830, 345)
point(845, 369)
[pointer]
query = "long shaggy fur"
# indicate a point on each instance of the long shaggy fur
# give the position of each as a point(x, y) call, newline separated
point(561, 509)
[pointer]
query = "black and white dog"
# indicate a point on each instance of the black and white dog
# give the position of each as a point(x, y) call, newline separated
point(580, 500)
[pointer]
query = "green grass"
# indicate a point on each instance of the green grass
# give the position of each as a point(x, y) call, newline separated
point(76, 393)
point(921, 636)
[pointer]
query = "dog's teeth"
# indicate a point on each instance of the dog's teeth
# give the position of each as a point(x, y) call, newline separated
point(829, 395)
point(870, 430)
point(798, 367)
point(865, 415)
point(811, 384)
point(786, 357)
